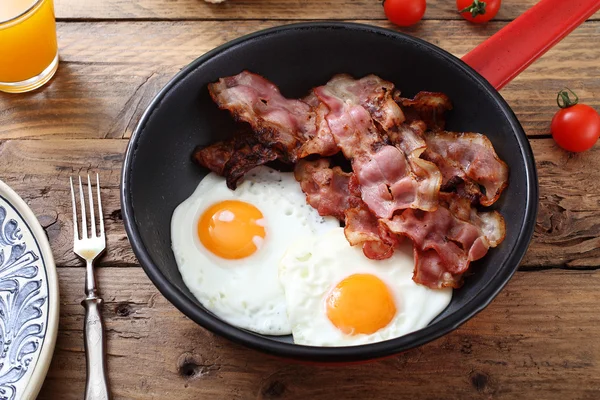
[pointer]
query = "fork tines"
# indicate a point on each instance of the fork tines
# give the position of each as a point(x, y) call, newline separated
point(84, 229)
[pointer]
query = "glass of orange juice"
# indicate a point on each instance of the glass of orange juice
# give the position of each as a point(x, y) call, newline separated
point(28, 48)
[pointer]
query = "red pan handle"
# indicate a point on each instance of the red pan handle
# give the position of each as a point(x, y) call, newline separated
point(512, 49)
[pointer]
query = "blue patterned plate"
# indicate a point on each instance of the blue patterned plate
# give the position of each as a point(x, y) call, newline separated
point(28, 299)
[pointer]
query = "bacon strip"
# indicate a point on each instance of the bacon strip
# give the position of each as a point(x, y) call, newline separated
point(280, 128)
point(327, 189)
point(408, 137)
point(322, 143)
point(429, 107)
point(491, 223)
point(443, 246)
point(372, 93)
point(387, 184)
point(333, 192)
point(279, 123)
point(471, 158)
point(387, 181)
point(234, 157)
point(215, 156)
point(446, 240)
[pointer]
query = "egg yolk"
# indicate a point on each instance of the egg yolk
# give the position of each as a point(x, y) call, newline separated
point(231, 229)
point(361, 303)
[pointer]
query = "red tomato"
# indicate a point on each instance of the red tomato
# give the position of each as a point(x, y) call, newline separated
point(576, 128)
point(404, 12)
point(478, 11)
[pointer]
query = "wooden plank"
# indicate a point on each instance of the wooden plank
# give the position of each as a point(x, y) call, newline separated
point(259, 9)
point(108, 75)
point(39, 171)
point(566, 231)
point(538, 339)
point(83, 100)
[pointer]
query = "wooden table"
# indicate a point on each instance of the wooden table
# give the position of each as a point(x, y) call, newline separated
point(539, 338)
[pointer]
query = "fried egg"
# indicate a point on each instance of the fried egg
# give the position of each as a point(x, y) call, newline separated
point(337, 297)
point(228, 244)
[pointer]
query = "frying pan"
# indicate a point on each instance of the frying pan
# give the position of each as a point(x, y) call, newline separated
point(158, 173)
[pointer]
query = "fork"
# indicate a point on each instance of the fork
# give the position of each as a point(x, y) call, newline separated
point(89, 248)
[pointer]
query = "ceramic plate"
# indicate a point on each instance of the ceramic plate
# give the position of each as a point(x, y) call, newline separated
point(28, 299)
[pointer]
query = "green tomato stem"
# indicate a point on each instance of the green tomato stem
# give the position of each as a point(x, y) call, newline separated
point(477, 8)
point(563, 100)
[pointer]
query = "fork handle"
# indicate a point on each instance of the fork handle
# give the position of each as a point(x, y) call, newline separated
point(96, 386)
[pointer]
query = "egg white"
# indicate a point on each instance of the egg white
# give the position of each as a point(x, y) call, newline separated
point(245, 292)
point(312, 267)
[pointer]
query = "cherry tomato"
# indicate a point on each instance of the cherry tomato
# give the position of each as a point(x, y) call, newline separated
point(575, 127)
point(404, 12)
point(478, 11)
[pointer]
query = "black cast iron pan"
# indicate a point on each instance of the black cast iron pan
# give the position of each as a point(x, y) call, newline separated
point(158, 173)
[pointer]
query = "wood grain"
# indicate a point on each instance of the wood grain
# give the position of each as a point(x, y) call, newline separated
point(566, 233)
point(527, 344)
point(260, 9)
point(39, 171)
point(108, 76)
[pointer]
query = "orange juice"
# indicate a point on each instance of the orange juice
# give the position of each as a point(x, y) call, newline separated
point(28, 48)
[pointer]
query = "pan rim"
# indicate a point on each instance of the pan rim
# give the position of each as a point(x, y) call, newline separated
point(331, 354)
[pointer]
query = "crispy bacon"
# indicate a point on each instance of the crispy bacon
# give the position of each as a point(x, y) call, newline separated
point(443, 246)
point(387, 181)
point(408, 137)
point(234, 157)
point(333, 192)
point(429, 107)
point(446, 240)
point(322, 143)
point(454, 178)
point(375, 95)
point(387, 184)
point(279, 128)
point(470, 158)
point(327, 189)
point(372, 93)
point(279, 123)
point(363, 228)
point(362, 225)
point(491, 223)
point(215, 156)
point(351, 125)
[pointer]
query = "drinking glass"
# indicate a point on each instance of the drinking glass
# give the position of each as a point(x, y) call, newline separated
point(28, 48)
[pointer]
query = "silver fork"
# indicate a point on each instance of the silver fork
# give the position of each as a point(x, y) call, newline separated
point(89, 248)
